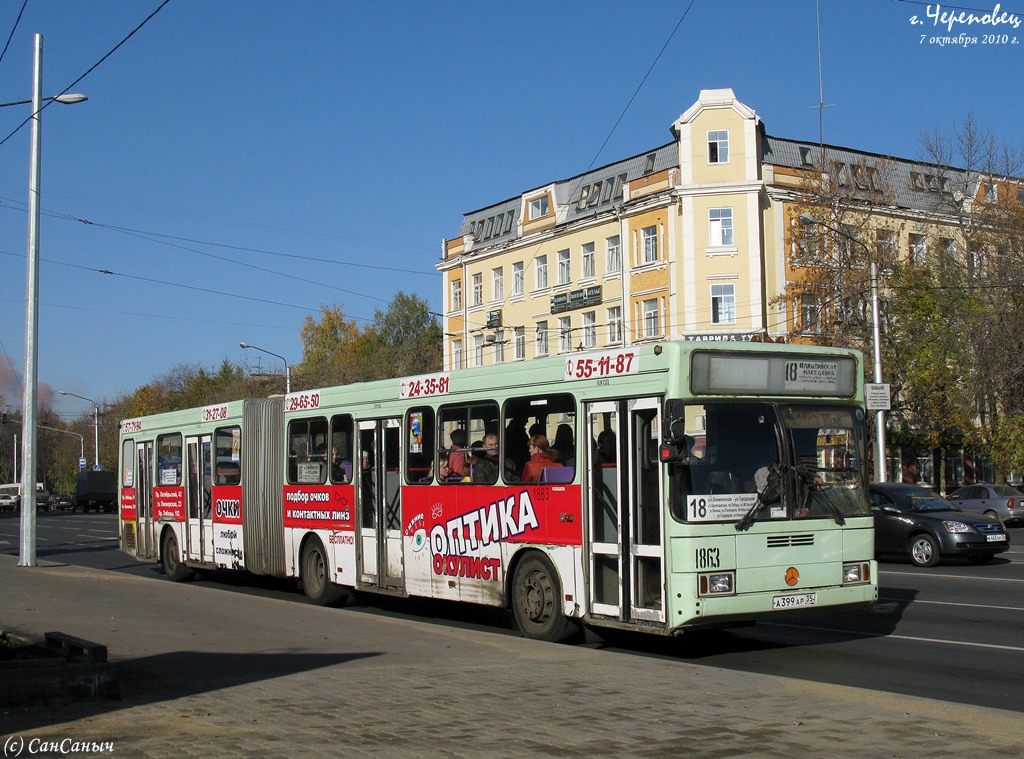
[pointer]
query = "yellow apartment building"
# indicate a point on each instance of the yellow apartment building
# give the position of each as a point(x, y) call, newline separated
point(693, 239)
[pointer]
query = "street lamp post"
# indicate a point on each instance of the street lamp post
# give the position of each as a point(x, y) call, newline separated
point(876, 333)
point(27, 556)
point(95, 426)
point(287, 369)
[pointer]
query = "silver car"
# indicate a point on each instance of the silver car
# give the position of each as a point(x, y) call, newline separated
point(1000, 501)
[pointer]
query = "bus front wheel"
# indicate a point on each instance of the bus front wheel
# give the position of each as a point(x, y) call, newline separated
point(316, 581)
point(170, 559)
point(537, 601)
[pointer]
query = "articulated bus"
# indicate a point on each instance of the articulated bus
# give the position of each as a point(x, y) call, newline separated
point(689, 485)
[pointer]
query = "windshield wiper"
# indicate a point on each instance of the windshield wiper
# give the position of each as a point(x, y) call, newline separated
point(771, 492)
point(812, 487)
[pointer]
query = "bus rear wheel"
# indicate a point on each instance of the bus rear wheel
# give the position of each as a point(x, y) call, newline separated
point(316, 582)
point(537, 601)
point(170, 559)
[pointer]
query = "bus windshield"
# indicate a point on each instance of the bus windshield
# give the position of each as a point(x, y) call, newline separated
point(741, 462)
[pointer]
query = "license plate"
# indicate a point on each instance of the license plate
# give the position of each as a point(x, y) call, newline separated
point(794, 601)
point(995, 538)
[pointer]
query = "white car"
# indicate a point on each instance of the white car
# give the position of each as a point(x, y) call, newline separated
point(8, 502)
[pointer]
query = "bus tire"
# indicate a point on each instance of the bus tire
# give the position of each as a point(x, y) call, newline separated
point(316, 583)
point(537, 601)
point(170, 559)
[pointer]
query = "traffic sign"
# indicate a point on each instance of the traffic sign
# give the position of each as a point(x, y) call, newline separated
point(81, 463)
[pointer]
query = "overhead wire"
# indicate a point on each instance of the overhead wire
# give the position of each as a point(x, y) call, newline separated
point(88, 71)
point(14, 28)
point(530, 259)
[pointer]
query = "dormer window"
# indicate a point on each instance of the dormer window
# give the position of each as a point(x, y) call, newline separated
point(538, 207)
point(718, 146)
point(649, 163)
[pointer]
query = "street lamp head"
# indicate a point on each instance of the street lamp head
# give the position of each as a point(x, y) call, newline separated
point(71, 98)
point(244, 345)
point(806, 218)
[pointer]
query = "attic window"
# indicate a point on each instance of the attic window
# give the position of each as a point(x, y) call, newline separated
point(805, 157)
point(584, 196)
point(511, 217)
point(916, 181)
point(841, 174)
point(595, 193)
point(538, 207)
point(874, 183)
point(649, 163)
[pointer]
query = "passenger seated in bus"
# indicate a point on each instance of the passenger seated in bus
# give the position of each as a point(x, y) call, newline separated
point(564, 447)
point(457, 455)
point(338, 471)
point(485, 461)
point(540, 457)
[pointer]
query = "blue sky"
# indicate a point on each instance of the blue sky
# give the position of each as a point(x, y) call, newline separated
point(306, 152)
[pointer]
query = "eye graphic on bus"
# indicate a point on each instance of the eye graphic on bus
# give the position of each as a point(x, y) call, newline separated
point(419, 539)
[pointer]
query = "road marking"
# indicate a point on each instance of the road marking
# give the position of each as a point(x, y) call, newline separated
point(954, 603)
point(953, 577)
point(914, 638)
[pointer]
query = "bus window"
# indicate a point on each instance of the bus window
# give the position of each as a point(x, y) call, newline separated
point(228, 455)
point(419, 451)
point(307, 451)
point(553, 417)
point(341, 448)
point(462, 431)
point(168, 456)
point(127, 463)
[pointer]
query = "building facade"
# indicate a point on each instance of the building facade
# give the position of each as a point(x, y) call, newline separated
point(697, 239)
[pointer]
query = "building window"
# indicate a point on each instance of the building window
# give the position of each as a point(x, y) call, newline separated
point(478, 289)
point(651, 318)
point(564, 334)
point(990, 192)
point(478, 350)
point(587, 263)
point(649, 239)
point(589, 329)
point(886, 239)
point(613, 254)
point(456, 294)
point(720, 226)
point(615, 324)
point(456, 354)
point(542, 272)
point(517, 278)
point(809, 241)
point(918, 249)
point(723, 304)
point(498, 283)
point(538, 207)
point(499, 346)
point(810, 313)
point(519, 344)
point(564, 271)
point(542, 338)
point(718, 146)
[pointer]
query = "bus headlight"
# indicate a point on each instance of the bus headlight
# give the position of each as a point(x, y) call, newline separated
point(856, 573)
point(716, 584)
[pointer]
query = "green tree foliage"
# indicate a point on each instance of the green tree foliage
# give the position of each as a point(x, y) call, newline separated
point(402, 340)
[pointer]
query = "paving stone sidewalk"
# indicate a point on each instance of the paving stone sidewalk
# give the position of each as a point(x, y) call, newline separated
point(205, 673)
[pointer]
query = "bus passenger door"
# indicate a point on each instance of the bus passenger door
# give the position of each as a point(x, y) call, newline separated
point(145, 531)
point(624, 510)
point(198, 498)
point(379, 515)
point(646, 552)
